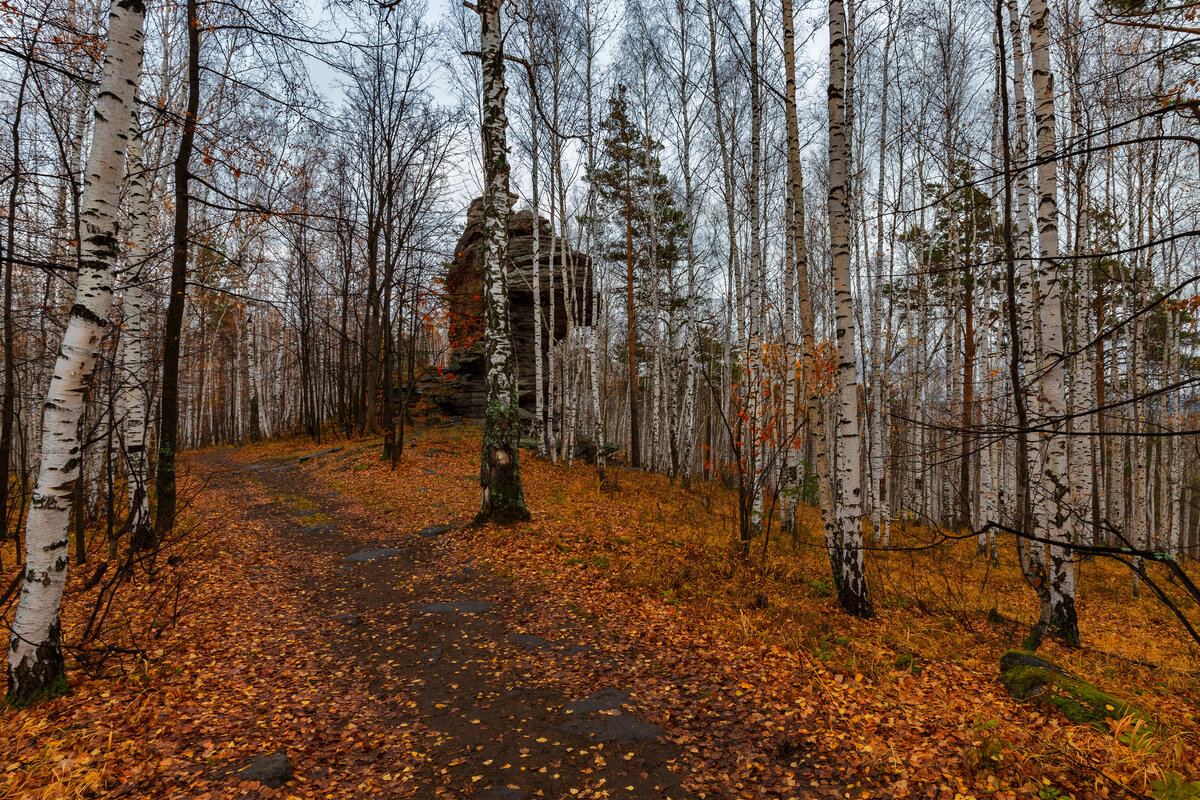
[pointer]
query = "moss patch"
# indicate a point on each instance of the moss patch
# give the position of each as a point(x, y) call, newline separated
point(1029, 677)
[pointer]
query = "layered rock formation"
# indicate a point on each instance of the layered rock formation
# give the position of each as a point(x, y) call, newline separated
point(464, 392)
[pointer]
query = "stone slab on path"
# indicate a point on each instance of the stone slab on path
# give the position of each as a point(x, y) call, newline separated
point(528, 640)
point(620, 728)
point(434, 530)
point(456, 607)
point(505, 793)
point(371, 554)
point(598, 718)
point(272, 769)
point(319, 453)
point(318, 529)
point(602, 700)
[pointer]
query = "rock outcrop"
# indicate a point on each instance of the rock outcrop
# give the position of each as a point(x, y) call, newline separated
point(463, 391)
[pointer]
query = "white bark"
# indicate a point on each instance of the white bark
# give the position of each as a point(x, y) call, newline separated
point(727, 184)
point(878, 424)
point(552, 426)
point(35, 655)
point(1174, 487)
point(539, 381)
point(500, 476)
point(1030, 328)
point(848, 485)
point(685, 436)
point(1051, 387)
point(133, 358)
point(754, 440)
point(1083, 395)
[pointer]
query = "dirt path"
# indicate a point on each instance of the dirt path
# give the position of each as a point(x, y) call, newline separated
point(441, 645)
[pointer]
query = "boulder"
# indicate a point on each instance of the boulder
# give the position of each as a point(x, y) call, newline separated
point(528, 641)
point(585, 449)
point(1027, 675)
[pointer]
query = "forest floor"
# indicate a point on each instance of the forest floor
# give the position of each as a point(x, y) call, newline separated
point(615, 647)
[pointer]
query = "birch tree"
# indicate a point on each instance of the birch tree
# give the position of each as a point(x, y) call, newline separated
point(499, 471)
point(35, 660)
point(852, 589)
point(814, 416)
point(134, 362)
point(1052, 391)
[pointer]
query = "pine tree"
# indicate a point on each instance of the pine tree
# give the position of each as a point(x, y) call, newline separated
point(633, 190)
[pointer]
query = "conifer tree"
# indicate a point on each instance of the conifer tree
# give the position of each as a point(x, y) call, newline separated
point(634, 192)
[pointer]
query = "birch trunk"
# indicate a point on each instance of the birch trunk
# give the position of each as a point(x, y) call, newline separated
point(594, 360)
point(754, 444)
point(1028, 342)
point(789, 483)
point(1083, 392)
point(656, 344)
point(134, 362)
point(552, 424)
point(852, 590)
point(598, 350)
point(1174, 487)
point(499, 473)
point(877, 424)
point(1052, 395)
point(8, 411)
point(35, 661)
point(732, 266)
point(796, 282)
point(687, 415)
point(254, 378)
point(1084, 373)
point(539, 381)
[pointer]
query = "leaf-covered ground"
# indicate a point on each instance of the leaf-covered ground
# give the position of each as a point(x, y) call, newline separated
point(759, 686)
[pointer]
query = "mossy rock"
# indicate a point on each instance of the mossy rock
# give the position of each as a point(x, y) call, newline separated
point(1028, 676)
